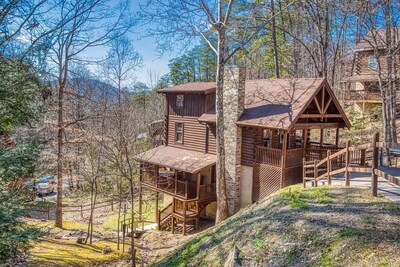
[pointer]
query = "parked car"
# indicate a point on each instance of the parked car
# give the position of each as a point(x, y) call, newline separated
point(45, 186)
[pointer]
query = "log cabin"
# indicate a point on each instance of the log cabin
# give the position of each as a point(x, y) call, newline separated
point(268, 126)
point(361, 89)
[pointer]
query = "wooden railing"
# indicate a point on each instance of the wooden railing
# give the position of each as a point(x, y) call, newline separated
point(207, 191)
point(361, 95)
point(163, 214)
point(267, 155)
point(294, 157)
point(184, 189)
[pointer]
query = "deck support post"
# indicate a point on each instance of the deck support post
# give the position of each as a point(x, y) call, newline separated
point(283, 161)
point(157, 212)
point(141, 196)
point(184, 217)
point(329, 163)
point(198, 185)
point(321, 138)
point(347, 173)
point(375, 154)
point(315, 173)
point(337, 137)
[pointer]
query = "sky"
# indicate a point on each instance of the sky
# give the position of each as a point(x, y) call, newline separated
point(146, 47)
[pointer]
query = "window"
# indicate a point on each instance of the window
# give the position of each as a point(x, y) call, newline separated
point(267, 138)
point(372, 64)
point(179, 132)
point(179, 101)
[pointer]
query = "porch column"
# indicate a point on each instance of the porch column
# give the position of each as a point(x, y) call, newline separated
point(304, 145)
point(337, 137)
point(283, 161)
point(321, 137)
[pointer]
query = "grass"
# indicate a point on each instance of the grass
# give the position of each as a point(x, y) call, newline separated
point(57, 252)
point(148, 214)
point(302, 227)
point(62, 252)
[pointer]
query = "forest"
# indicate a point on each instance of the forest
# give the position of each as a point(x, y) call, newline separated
point(81, 119)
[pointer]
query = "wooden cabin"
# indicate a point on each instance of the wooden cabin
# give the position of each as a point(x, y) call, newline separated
point(271, 125)
point(361, 88)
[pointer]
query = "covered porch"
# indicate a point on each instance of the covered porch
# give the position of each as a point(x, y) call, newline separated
point(182, 174)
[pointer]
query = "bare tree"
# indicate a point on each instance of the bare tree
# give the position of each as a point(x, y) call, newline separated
point(176, 23)
point(89, 24)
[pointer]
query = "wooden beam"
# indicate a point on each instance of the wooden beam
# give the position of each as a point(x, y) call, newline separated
point(318, 106)
point(323, 100)
point(337, 137)
point(317, 125)
point(320, 116)
point(327, 104)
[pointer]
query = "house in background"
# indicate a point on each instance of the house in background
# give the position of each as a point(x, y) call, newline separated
point(362, 89)
point(267, 134)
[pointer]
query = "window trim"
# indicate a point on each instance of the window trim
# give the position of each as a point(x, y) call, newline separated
point(182, 101)
point(372, 64)
point(176, 133)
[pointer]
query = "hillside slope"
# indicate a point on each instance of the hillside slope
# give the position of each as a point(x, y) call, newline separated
point(326, 226)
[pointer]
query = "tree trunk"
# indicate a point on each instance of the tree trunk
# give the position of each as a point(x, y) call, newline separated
point(222, 201)
point(60, 144)
point(276, 60)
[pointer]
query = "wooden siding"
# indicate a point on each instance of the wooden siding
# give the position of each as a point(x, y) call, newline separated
point(194, 105)
point(194, 133)
point(362, 62)
point(212, 140)
point(210, 102)
point(248, 146)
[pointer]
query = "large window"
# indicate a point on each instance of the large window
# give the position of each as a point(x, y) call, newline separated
point(180, 99)
point(267, 135)
point(179, 132)
point(372, 63)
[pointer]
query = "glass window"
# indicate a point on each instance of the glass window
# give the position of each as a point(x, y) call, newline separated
point(180, 101)
point(372, 63)
point(179, 132)
point(267, 137)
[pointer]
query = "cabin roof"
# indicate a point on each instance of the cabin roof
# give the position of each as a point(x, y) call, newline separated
point(195, 87)
point(279, 103)
point(376, 38)
point(177, 158)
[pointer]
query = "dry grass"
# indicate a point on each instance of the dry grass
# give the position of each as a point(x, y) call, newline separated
point(329, 226)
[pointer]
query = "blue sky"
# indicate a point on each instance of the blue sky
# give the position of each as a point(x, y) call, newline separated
point(146, 47)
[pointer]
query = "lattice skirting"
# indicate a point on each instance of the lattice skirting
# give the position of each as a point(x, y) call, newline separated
point(266, 180)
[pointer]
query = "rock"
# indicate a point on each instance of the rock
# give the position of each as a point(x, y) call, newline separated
point(233, 258)
point(106, 250)
point(80, 240)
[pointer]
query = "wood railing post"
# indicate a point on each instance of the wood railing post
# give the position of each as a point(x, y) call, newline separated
point(375, 154)
point(347, 163)
point(304, 173)
point(198, 185)
point(362, 160)
point(329, 167)
point(184, 217)
point(186, 189)
point(315, 173)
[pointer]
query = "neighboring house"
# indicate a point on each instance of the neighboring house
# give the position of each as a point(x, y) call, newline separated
point(267, 134)
point(362, 88)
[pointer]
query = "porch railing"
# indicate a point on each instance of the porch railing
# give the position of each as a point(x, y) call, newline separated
point(173, 186)
point(294, 157)
point(184, 189)
point(267, 155)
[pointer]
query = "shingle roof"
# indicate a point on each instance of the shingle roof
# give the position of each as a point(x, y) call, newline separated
point(377, 38)
point(195, 87)
point(277, 103)
point(177, 158)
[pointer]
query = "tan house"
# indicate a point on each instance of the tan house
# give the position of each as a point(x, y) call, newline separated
point(267, 134)
point(362, 89)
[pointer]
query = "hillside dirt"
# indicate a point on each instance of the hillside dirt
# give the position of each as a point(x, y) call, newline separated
point(325, 226)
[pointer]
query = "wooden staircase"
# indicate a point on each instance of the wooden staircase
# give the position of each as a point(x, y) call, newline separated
point(181, 215)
